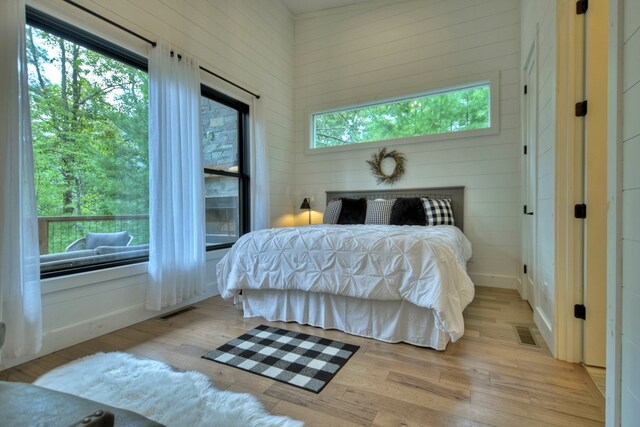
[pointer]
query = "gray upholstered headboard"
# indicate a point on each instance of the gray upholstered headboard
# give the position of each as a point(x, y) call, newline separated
point(456, 194)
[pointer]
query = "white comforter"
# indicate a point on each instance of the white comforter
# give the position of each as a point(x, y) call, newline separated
point(423, 265)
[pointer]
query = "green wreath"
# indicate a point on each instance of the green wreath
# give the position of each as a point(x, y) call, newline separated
point(376, 165)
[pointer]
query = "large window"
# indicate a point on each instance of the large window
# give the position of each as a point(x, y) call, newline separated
point(226, 183)
point(440, 112)
point(89, 113)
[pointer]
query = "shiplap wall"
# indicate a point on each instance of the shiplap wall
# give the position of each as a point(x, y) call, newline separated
point(630, 402)
point(247, 41)
point(539, 27)
point(383, 49)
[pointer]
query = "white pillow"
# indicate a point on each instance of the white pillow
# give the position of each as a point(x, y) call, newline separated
point(332, 212)
point(379, 211)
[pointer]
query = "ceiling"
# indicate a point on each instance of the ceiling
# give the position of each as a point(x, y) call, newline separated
point(298, 7)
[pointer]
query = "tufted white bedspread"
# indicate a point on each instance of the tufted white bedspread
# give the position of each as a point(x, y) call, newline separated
point(423, 265)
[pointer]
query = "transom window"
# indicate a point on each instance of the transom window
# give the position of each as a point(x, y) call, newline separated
point(450, 110)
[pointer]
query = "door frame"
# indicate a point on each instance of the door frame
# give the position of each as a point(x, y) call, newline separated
point(569, 173)
point(614, 216)
point(570, 182)
point(529, 287)
point(595, 187)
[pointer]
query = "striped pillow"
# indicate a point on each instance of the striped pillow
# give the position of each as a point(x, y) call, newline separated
point(332, 212)
point(439, 211)
point(379, 211)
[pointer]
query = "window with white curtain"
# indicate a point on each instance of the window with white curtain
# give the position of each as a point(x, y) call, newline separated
point(89, 113)
point(226, 181)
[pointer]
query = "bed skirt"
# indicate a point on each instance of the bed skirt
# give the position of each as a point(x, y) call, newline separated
point(389, 321)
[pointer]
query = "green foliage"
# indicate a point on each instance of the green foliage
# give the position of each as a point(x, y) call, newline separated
point(452, 111)
point(89, 116)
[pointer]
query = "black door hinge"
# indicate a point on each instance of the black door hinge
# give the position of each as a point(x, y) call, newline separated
point(580, 210)
point(525, 149)
point(525, 269)
point(580, 311)
point(582, 6)
point(581, 109)
point(525, 89)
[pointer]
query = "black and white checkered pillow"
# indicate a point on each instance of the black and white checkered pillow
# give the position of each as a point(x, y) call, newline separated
point(438, 211)
point(379, 211)
point(332, 212)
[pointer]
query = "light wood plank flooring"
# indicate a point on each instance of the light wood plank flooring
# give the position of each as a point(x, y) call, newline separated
point(599, 376)
point(486, 378)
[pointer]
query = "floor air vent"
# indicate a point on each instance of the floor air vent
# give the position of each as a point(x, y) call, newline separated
point(524, 336)
point(177, 312)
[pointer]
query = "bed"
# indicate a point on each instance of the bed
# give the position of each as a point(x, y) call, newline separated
point(391, 283)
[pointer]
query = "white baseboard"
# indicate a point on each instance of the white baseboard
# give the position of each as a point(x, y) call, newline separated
point(57, 339)
point(545, 329)
point(494, 280)
point(519, 287)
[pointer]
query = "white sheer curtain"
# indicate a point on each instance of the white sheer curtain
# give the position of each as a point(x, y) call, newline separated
point(259, 173)
point(21, 307)
point(176, 206)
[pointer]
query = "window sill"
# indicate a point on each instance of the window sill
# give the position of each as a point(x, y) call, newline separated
point(88, 278)
point(70, 281)
point(392, 143)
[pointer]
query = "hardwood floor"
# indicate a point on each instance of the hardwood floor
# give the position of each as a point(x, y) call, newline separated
point(599, 376)
point(486, 378)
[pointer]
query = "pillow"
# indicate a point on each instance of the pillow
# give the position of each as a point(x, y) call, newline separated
point(408, 211)
point(439, 211)
point(379, 211)
point(332, 212)
point(107, 239)
point(354, 211)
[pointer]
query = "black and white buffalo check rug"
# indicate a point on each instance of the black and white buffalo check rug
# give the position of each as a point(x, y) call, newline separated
point(302, 360)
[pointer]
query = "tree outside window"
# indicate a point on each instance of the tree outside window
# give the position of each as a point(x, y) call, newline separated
point(444, 112)
point(89, 115)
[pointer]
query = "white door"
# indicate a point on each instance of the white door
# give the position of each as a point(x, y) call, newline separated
point(530, 180)
point(595, 187)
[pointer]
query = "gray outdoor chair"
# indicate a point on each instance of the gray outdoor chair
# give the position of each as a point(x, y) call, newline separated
point(93, 240)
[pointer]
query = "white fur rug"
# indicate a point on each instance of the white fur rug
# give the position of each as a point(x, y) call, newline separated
point(158, 392)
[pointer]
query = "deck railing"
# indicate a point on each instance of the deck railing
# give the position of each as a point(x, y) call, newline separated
point(57, 232)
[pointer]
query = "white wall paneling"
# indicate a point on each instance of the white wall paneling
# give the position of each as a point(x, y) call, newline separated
point(249, 42)
point(385, 49)
point(87, 305)
point(630, 337)
point(623, 288)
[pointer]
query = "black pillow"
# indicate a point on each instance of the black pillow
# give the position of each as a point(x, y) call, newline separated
point(354, 211)
point(408, 211)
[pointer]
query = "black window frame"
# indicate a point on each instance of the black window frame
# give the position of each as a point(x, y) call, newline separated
point(62, 29)
point(244, 198)
point(43, 21)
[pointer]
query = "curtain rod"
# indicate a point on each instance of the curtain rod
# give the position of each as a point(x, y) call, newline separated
point(229, 81)
point(109, 21)
point(151, 42)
